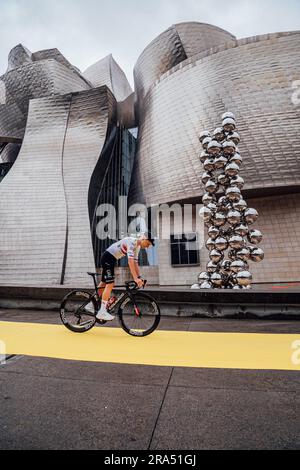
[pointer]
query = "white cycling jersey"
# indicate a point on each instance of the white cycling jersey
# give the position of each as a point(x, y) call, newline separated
point(126, 247)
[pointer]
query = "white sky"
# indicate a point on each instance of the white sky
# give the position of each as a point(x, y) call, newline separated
point(87, 30)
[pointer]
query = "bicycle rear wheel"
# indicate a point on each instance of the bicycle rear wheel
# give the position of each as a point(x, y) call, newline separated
point(139, 314)
point(73, 313)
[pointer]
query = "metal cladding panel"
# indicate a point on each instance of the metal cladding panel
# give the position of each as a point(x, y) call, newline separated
point(121, 87)
point(161, 55)
point(254, 81)
point(12, 121)
point(57, 55)
point(32, 200)
point(29, 81)
point(99, 73)
point(19, 56)
point(90, 115)
point(173, 46)
point(198, 37)
point(107, 72)
point(10, 153)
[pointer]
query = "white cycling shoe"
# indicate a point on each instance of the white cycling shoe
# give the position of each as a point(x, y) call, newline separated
point(104, 315)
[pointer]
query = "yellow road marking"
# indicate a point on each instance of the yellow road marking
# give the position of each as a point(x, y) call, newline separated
point(162, 348)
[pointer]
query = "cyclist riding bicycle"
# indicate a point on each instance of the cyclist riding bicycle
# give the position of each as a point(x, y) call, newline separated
point(130, 247)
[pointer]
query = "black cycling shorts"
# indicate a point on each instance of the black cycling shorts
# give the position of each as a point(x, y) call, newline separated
point(108, 262)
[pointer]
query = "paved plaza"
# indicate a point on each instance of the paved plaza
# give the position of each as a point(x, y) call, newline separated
point(193, 384)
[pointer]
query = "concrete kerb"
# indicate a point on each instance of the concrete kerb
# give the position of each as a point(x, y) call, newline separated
point(177, 303)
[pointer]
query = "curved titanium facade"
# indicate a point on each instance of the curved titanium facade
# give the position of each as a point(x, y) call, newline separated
point(34, 216)
point(173, 46)
point(45, 235)
point(253, 79)
point(32, 76)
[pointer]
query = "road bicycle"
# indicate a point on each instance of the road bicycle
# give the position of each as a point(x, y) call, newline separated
point(138, 312)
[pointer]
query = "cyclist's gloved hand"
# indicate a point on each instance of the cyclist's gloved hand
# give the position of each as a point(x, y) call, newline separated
point(139, 282)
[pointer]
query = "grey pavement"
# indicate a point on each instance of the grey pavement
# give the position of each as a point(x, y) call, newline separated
point(60, 404)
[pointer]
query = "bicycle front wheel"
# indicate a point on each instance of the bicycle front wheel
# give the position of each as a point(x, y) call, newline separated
point(139, 314)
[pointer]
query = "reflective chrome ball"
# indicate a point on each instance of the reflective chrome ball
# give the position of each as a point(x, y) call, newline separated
point(206, 285)
point(219, 134)
point(226, 266)
point(213, 232)
point(211, 187)
point(210, 244)
point(203, 135)
point(243, 254)
point(251, 216)
point(241, 229)
point(205, 142)
point(221, 244)
point(244, 278)
point(205, 213)
point(233, 193)
point(206, 176)
point(220, 162)
point(209, 164)
point(255, 237)
point(236, 242)
point(237, 181)
point(216, 256)
point(229, 148)
point(212, 267)
point(234, 217)
point(204, 276)
point(240, 205)
point(214, 148)
point(236, 158)
point(207, 198)
point(237, 266)
point(216, 280)
point(229, 125)
point(257, 255)
point(228, 115)
point(231, 169)
point(212, 206)
point(204, 156)
point(219, 219)
point(234, 136)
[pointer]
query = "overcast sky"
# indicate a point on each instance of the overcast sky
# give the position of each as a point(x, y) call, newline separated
point(87, 30)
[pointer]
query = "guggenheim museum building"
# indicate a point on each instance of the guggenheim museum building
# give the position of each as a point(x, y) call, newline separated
point(71, 141)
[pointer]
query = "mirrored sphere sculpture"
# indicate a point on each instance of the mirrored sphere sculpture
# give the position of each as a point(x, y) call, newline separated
point(227, 217)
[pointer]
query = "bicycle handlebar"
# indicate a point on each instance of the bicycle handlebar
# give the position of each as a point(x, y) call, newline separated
point(134, 284)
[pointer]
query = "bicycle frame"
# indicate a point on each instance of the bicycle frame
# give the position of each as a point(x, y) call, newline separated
point(96, 296)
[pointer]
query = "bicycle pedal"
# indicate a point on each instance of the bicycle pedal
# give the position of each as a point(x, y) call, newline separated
point(101, 322)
